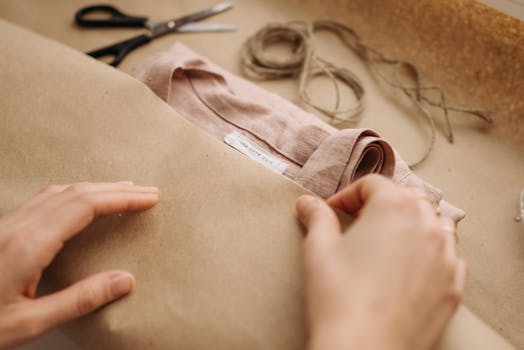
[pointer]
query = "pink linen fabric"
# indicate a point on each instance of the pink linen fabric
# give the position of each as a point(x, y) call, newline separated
point(318, 156)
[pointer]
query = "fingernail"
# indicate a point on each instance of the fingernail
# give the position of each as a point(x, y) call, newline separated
point(122, 284)
point(146, 189)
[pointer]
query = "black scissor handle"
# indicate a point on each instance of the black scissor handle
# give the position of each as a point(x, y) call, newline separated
point(116, 17)
point(120, 49)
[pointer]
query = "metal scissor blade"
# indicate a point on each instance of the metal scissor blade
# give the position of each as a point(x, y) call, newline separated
point(198, 16)
point(206, 27)
point(175, 24)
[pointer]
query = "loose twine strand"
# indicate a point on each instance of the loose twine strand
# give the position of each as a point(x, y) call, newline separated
point(303, 63)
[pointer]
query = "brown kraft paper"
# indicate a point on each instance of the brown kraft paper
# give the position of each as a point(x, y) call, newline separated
point(217, 261)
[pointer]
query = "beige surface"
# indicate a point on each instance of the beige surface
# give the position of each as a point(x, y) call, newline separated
point(482, 172)
point(217, 262)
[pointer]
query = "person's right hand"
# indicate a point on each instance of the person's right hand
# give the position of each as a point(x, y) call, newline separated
point(391, 281)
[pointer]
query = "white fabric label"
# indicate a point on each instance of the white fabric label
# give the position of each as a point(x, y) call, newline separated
point(255, 152)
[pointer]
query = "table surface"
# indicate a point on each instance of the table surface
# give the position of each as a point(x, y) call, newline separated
point(482, 172)
point(513, 8)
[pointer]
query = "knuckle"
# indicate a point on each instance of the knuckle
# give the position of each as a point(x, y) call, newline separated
point(455, 296)
point(88, 204)
point(78, 187)
point(84, 197)
point(450, 267)
point(320, 212)
point(50, 189)
point(85, 202)
point(87, 299)
point(400, 199)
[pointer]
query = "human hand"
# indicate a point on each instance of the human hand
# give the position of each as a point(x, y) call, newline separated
point(31, 236)
point(391, 281)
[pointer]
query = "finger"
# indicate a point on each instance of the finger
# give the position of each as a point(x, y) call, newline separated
point(34, 205)
point(78, 191)
point(84, 193)
point(425, 202)
point(443, 312)
point(448, 237)
point(459, 283)
point(68, 209)
point(122, 186)
point(81, 298)
point(450, 247)
point(436, 324)
point(69, 212)
point(352, 198)
point(449, 226)
point(320, 221)
point(78, 211)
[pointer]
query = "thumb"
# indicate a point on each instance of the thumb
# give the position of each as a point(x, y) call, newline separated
point(320, 221)
point(81, 298)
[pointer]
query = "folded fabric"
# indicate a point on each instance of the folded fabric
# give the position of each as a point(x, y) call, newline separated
point(272, 130)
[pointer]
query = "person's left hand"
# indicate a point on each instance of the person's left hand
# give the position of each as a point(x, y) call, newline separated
point(32, 235)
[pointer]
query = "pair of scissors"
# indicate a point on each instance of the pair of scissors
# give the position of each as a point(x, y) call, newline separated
point(156, 29)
